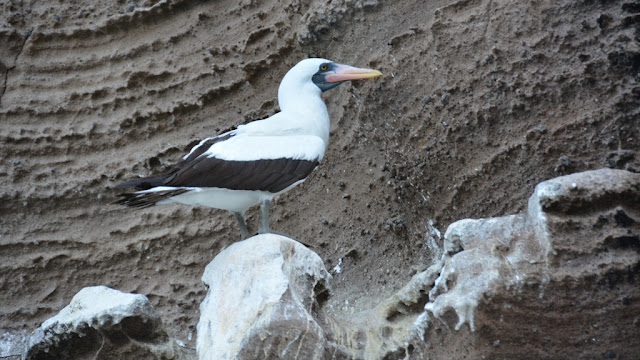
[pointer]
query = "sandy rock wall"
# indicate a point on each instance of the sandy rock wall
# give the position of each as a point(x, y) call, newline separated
point(481, 100)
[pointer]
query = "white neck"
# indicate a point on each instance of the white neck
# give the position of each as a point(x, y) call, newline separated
point(303, 98)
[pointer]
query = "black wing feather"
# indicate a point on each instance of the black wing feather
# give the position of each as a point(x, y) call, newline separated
point(143, 200)
point(146, 183)
point(271, 175)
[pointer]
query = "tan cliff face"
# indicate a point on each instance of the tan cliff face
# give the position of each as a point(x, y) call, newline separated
point(480, 102)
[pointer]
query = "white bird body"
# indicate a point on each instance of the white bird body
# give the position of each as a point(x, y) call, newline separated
point(236, 201)
point(260, 160)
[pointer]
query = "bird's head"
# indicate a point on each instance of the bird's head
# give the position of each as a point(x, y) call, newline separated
point(329, 74)
point(321, 74)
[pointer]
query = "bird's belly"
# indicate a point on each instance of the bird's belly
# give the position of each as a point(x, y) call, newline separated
point(231, 200)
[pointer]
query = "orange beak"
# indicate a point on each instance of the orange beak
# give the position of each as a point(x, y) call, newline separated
point(346, 72)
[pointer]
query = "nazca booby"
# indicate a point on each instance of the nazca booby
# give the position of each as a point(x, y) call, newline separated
point(258, 160)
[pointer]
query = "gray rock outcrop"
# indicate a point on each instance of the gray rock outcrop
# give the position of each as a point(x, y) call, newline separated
point(564, 272)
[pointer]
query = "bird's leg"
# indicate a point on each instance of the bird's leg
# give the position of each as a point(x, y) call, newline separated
point(242, 224)
point(264, 217)
point(264, 224)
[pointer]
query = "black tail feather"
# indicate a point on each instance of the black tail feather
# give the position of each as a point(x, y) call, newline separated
point(143, 183)
point(143, 200)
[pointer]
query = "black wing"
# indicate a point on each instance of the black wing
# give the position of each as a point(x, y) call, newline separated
point(157, 180)
point(271, 175)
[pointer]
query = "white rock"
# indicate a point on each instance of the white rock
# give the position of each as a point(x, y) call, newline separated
point(95, 316)
point(96, 305)
point(261, 294)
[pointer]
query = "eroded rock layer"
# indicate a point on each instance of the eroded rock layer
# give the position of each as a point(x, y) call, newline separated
point(481, 100)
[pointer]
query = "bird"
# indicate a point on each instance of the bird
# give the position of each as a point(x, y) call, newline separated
point(256, 161)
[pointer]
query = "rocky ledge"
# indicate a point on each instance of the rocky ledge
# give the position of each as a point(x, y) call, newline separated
point(519, 286)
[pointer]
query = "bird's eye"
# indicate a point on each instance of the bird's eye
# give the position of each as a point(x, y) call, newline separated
point(323, 67)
